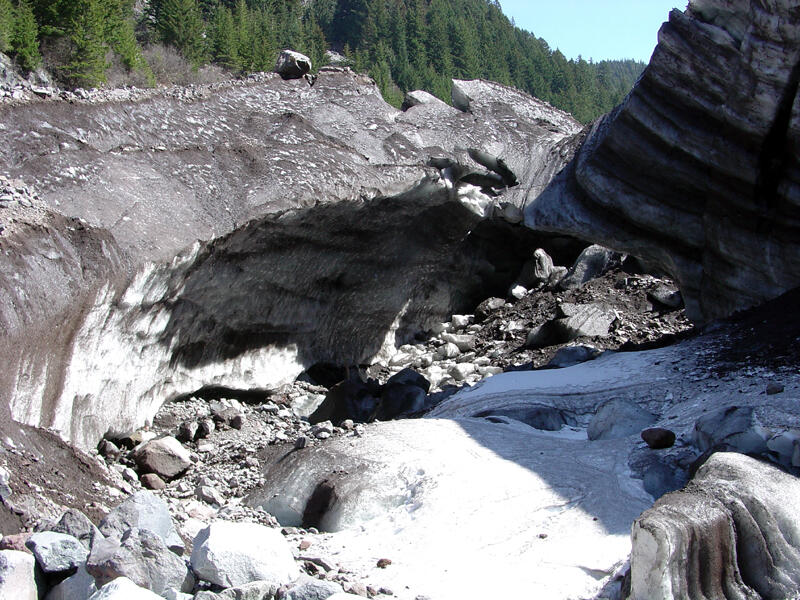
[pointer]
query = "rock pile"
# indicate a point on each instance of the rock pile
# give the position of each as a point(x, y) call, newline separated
point(137, 553)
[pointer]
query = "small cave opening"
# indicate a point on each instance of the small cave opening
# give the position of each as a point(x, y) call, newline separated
point(219, 392)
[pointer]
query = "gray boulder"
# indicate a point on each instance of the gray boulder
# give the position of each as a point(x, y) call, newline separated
point(732, 532)
point(734, 428)
point(257, 590)
point(464, 341)
point(142, 557)
point(73, 522)
point(666, 296)
point(123, 588)
point(233, 554)
point(591, 263)
point(618, 419)
point(166, 457)
point(400, 398)
point(350, 399)
point(143, 510)
point(417, 97)
point(16, 575)
point(311, 588)
point(79, 586)
point(292, 65)
point(487, 307)
point(57, 552)
point(583, 320)
point(410, 377)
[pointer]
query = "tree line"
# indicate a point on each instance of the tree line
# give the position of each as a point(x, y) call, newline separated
point(402, 44)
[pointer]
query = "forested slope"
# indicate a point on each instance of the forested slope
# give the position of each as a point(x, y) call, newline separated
point(403, 44)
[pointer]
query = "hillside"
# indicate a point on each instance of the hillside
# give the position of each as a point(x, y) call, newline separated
point(403, 44)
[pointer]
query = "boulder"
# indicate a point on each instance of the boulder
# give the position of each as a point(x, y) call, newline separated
point(151, 481)
point(17, 575)
point(460, 371)
point(57, 552)
point(73, 522)
point(123, 588)
point(658, 438)
point(447, 350)
point(619, 419)
point(583, 320)
point(667, 296)
point(311, 588)
point(488, 307)
point(141, 556)
point(350, 399)
point(463, 341)
point(292, 65)
point(166, 457)
point(79, 586)
point(187, 431)
point(15, 541)
point(733, 428)
point(233, 554)
point(417, 97)
point(730, 533)
point(143, 510)
point(400, 398)
point(257, 590)
point(593, 262)
point(410, 377)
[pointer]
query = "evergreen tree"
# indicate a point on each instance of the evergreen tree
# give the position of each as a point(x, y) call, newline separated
point(224, 42)
point(87, 65)
point(181, 25)
point(24, 37)
point(244, 34)
point(6, 25)
point(314, 44)
point(264, 47)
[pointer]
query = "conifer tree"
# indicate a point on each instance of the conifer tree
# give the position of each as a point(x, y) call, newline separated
point(224, 43)
point(87, 65)
point(244, 34)
point(314, 44)
point(6, 24)
point(181, 25)
point(264, 46)
point(24, 37)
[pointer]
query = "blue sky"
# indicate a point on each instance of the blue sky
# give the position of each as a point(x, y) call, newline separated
point(597, 29)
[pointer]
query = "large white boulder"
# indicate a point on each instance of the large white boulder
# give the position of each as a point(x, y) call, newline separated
point(233, 554)
point(166, 457)
point(57, 552)
point(79, 586)
point(16, 575)
point(123, 588)
point(143, 510)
